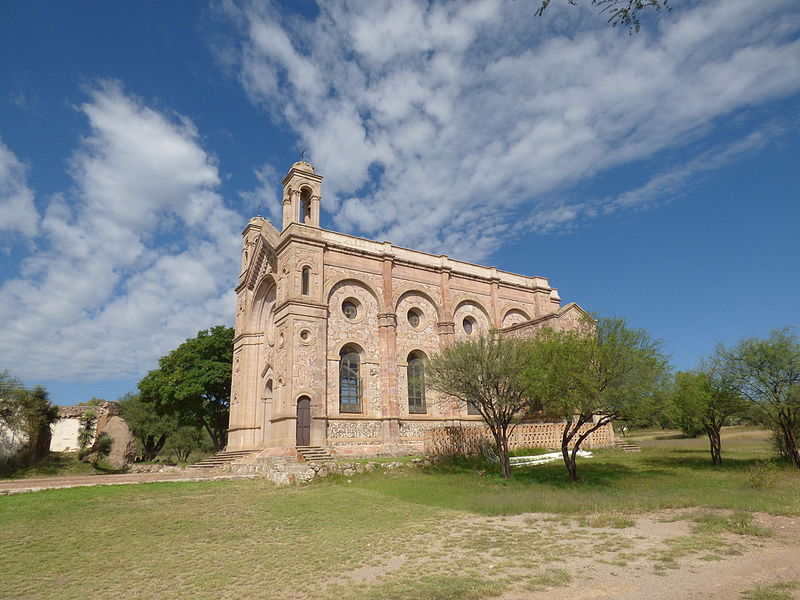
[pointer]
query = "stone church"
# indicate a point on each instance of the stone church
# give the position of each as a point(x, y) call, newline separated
point(332, 332)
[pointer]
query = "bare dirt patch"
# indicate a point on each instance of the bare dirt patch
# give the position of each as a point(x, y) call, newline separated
point(674, 554)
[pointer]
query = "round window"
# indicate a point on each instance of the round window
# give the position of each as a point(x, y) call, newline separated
point(469, 325)
point(350, 309)
point(415, 317)
point(305, 335)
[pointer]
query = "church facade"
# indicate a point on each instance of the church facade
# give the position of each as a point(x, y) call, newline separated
point(332, 332)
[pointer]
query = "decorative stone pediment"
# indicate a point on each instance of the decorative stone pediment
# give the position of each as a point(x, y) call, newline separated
point(264, 260)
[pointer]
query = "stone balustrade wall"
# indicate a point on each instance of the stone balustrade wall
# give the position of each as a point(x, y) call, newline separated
point(446, 441)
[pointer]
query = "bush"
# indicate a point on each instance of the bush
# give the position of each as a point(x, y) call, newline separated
point(779, 443)
point(762, 475)
point(102, 447)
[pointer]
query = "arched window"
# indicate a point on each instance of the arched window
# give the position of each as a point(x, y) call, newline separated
point(349, 380)
point(305, 281)
point(416, 383)
point(305, 206)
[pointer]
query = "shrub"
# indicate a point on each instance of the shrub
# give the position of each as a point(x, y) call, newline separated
point(102, 447)
point(762, 475)
point(87, 427)
point(779, 443)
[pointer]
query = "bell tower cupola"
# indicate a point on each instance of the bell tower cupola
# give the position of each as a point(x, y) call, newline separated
point(301, 195)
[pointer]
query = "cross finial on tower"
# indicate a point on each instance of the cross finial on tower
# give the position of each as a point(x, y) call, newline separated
point(303, 155)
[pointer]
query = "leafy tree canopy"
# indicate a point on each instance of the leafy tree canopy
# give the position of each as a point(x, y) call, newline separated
point(593, 378)
point(704, 402)
point(28, 411)
point(193, 382)
point(149, 426)
point(767, 373)
point(485, 373)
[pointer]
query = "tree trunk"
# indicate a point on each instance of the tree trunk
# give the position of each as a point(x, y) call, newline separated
point(569, 459)
point(151, 447)
point(715, 444)
point(791, 443)
point(501, 445)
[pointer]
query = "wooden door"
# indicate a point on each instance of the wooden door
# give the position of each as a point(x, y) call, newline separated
point(304, 421)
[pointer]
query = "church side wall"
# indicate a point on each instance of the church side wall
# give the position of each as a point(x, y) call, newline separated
point(288, 341)
point(386, 291)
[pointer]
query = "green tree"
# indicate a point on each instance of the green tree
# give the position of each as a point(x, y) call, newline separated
point(186, 439)
point(32, 413)
point(487, 374)
point(193, 382)
point(591, 380)
point(767, 373)
point(9, 388)
point(620, 12)
point(149, 426)
point(38, 414)
point(704, 401)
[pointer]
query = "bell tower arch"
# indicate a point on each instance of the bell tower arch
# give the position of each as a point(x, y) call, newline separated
point(301, 195)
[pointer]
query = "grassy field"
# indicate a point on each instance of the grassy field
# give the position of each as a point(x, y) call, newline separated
point(415, 532)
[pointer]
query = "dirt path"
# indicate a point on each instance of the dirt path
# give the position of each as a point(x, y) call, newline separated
point(21, 486)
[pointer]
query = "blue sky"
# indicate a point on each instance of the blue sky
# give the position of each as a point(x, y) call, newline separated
point(653, 176)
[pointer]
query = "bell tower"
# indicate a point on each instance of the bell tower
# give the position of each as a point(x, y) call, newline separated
point(301, 195)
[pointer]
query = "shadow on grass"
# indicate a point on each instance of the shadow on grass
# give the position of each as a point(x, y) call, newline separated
point(553, 475)
point(53, 465)
point(701, 461)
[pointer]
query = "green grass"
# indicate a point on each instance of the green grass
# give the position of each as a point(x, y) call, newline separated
point(776, 591)
point(612, 482)
point(443, 531)
point(549, 579)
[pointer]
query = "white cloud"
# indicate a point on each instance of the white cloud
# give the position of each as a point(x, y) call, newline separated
point(476, 115)
point(662, 185)
point(137, 258)
point(17, 209)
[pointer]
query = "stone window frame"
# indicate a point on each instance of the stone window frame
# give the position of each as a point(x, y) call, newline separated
point(417, 404)
point(420, 314)
point(305, 279)
point(475, 308)
point(304, 205)
point(472, 322)
point(514, 308)
point(348, 349)
point(361, 310)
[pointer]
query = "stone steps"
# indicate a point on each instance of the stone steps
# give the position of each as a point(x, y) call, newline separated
point(220, 459)
point(626, 447)
point(314, 454)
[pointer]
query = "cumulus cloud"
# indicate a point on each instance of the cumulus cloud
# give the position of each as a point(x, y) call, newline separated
point(17, 210)
point(132, 260)
point(444, 125)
